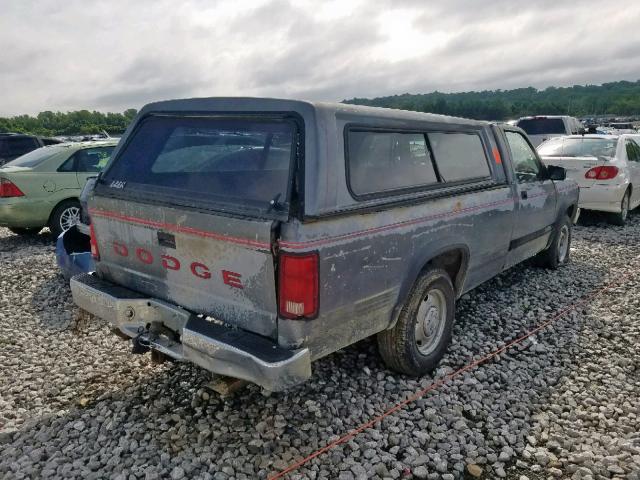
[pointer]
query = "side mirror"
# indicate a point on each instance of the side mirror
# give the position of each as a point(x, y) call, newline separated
point(556, 173)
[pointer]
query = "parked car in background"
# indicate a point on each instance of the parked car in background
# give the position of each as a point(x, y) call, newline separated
point(41, 189)
point(254, 241)
point(13, 145)
point(544, 127)
point(606, 167)
point(623, 127)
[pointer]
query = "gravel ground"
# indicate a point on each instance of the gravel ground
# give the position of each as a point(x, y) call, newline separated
point(74, 402)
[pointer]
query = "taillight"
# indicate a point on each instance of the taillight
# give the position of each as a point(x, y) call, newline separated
point(95, 253)
point(298, 285)
point(606, 172)
point(9, 189)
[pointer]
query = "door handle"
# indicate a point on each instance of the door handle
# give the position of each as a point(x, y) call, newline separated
point(524, 194)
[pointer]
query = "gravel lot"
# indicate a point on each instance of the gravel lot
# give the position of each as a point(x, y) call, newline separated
point(74, 402)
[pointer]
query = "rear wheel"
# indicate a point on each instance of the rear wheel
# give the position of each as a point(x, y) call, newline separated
point(25, 231)
point(421, 335)
point(557, 254)
point(65, 216)
point(621, 217)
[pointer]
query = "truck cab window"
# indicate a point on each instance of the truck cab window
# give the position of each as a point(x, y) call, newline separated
point(525, 161)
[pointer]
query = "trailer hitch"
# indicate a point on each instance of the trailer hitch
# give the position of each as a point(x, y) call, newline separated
point(140, 345)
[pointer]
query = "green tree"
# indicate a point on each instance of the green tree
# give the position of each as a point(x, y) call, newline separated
point(80, 122)
point(615, 98)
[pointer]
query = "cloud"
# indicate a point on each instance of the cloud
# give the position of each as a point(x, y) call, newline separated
point(112, 55)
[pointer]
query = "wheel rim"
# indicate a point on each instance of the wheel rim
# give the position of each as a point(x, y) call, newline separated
point(625, 207)
point(563, 243)
point(69, 217)
point(430, 321)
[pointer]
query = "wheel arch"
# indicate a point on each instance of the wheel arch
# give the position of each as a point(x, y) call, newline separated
point(454, 259)
point(572, 211)
point(55, 207)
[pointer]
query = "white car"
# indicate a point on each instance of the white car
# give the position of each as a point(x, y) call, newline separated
point(606, 167)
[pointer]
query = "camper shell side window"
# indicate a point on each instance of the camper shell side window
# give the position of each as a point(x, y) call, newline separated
point(383, 162)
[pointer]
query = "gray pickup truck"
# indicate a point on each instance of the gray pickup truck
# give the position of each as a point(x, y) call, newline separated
point(253, 236)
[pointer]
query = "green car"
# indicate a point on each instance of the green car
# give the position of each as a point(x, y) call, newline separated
point(41, 189)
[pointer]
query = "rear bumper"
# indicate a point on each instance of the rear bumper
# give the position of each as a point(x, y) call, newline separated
point(182, 335)
point(605, 198)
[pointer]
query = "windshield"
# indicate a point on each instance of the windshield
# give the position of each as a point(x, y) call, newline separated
point(222, 160)
point(542, 126)
point(33, 158)
point(579, 147)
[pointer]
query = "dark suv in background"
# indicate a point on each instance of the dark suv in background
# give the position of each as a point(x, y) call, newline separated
point(14, 145)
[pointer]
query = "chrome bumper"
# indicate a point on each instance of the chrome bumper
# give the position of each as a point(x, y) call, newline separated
point(182, 335)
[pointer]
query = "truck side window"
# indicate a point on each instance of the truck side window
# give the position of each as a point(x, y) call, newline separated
point(379, 161)
point(459, 156)
point(525, 162)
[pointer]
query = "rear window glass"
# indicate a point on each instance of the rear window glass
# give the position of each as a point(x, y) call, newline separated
point(541, 126)
point(579, 147)
point(21, 145)
point(33, 158)
point(384, 161)
point(459, 156)
point(233, 161)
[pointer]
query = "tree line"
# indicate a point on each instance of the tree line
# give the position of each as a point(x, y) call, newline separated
point(615, 98)
point(80, 122)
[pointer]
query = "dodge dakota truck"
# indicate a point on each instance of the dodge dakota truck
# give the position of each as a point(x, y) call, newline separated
point(254, 236)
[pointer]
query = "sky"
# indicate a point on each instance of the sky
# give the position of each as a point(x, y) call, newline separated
point(118, 54)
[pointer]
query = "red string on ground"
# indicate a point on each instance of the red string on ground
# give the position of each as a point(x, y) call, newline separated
point(420, 393)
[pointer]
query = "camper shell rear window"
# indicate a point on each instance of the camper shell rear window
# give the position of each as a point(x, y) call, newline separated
point(236, 163)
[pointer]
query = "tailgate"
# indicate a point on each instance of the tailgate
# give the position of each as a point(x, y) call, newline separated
point(185, 212)
point(209, 264)
point(576, 167)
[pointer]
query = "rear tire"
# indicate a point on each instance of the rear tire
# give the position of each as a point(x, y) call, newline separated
point(25, 231)
point(621, 217)
point(557, 254)
point(421, 335)
point(65, 215)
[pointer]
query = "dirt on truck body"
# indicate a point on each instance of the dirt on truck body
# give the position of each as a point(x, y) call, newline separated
point(253, 236)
